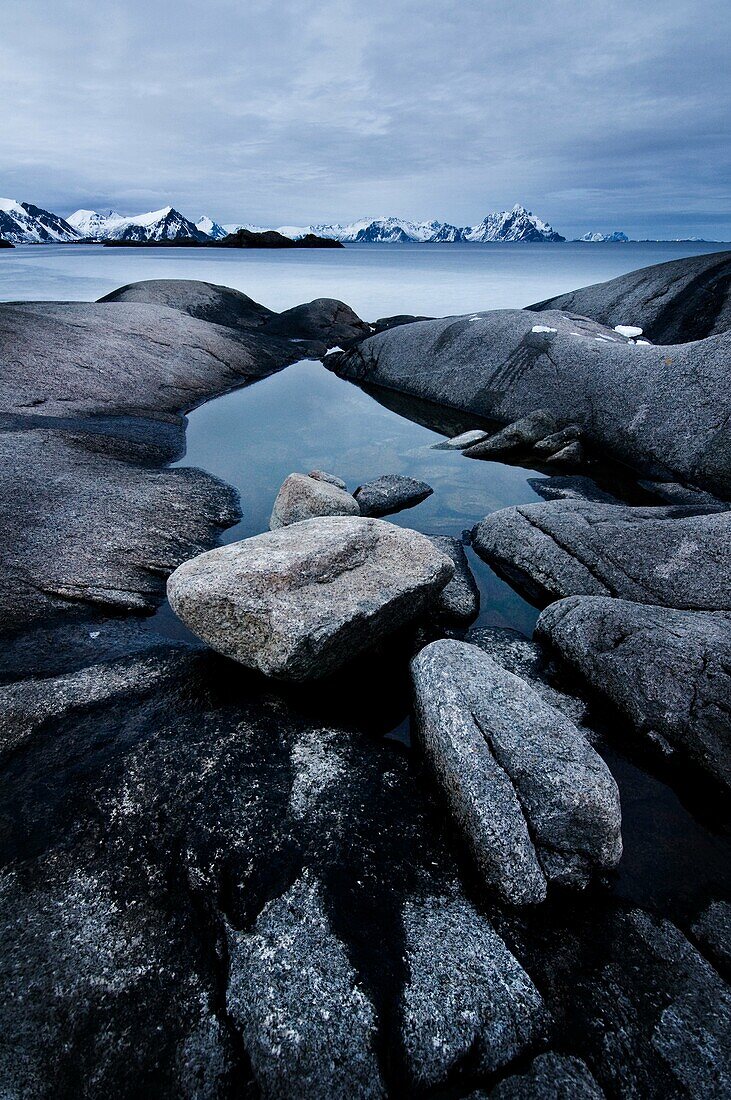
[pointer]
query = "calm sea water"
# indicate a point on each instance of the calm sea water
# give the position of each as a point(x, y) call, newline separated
point(376, 280)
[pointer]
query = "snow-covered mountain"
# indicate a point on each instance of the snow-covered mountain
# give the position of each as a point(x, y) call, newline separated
point(517, 224)
point(211, 229)
point(167, 224)
point(604, 238)
point(233, 227)
point(23, 223)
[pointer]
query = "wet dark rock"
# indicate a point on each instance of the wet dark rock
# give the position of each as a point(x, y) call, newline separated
point(320, 324)
point(299, 602)
point(465, 993)
point(321, 475)
point(674, 302)
point(569, 457)
point(677, 557)
point(520, 436)
point(390, 493)
point(302, 497)
point(459, 600)
point(548, 1077)
point(667, 671)
point(570, 487)
point(661, 411)
point(535, 802)
point(673, 493)
point(712, 930)
point(295, 999)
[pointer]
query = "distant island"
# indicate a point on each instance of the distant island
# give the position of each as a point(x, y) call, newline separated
point(243, 238)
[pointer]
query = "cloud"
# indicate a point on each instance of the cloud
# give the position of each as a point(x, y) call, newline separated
point(596, 116)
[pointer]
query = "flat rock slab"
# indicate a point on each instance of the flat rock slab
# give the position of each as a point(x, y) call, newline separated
point(304, 497)
point(307, 1025)
point(668, 671)
point(675, 556)
point(664, 411)
point(533, 799)
point(391, 493)
point(465, 993)
point(674, 302)
point(299, 602)
point(459, 442)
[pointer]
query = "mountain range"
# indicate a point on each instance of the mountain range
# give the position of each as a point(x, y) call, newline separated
point(517, 224)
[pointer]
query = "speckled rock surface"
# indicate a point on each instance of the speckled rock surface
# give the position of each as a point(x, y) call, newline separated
point(299, 602)
point(459, 600)
point(390, 493)
point(533, 799)
point(303, 497)
point(548, 1077)
point(668, 671)
point(465, 993)
point(296, 1001)
point(678, 557)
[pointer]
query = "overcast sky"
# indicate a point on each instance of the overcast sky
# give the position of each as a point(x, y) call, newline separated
point(595, 115)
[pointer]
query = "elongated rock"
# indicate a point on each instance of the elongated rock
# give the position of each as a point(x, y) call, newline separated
point(299, 602)
point(676, 556)
point(534, 800)
point(391, 493)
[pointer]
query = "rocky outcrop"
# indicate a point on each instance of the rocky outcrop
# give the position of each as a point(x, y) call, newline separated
point(465, 994)
point(673, 302)
point(658, 410)
point(668, 672)
point(299, 602)
point(675, 556)
point(91, 397)
point(294, 998)
point(534, 801)
point(304, 497)
point(390, 493)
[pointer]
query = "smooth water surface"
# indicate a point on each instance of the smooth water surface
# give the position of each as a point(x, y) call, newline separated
point(306, 418)
point(376, 280)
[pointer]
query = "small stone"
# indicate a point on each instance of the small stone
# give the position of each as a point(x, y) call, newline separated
point(391, 493)
point(521, 435)
point(302, 498)
point(459, 442)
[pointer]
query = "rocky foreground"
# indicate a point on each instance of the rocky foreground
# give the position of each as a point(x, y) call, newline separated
point(219, 877)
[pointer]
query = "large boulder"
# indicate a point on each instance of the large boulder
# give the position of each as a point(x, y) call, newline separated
point(548, 1077)
point(304, 497)
point(673, 303)
point(668, 671)
point(663, 411)
point(465, 993)
point(674, 556)
point(296, 1001)
point(533, 799)
point(209, 302)
point(299, 602)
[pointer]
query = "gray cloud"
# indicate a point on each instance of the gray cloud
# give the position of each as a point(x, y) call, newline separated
point(596, 116)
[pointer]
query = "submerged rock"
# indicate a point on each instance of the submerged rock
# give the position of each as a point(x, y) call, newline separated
point(674, 302)
point(533, 799)
point(465, 993)
point(299, 602)
point(390, 493)
point(306, 1023)
point(668, 671)
point(459, 600)
point(662, 411)
point(302, 497)
point(678, 557)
